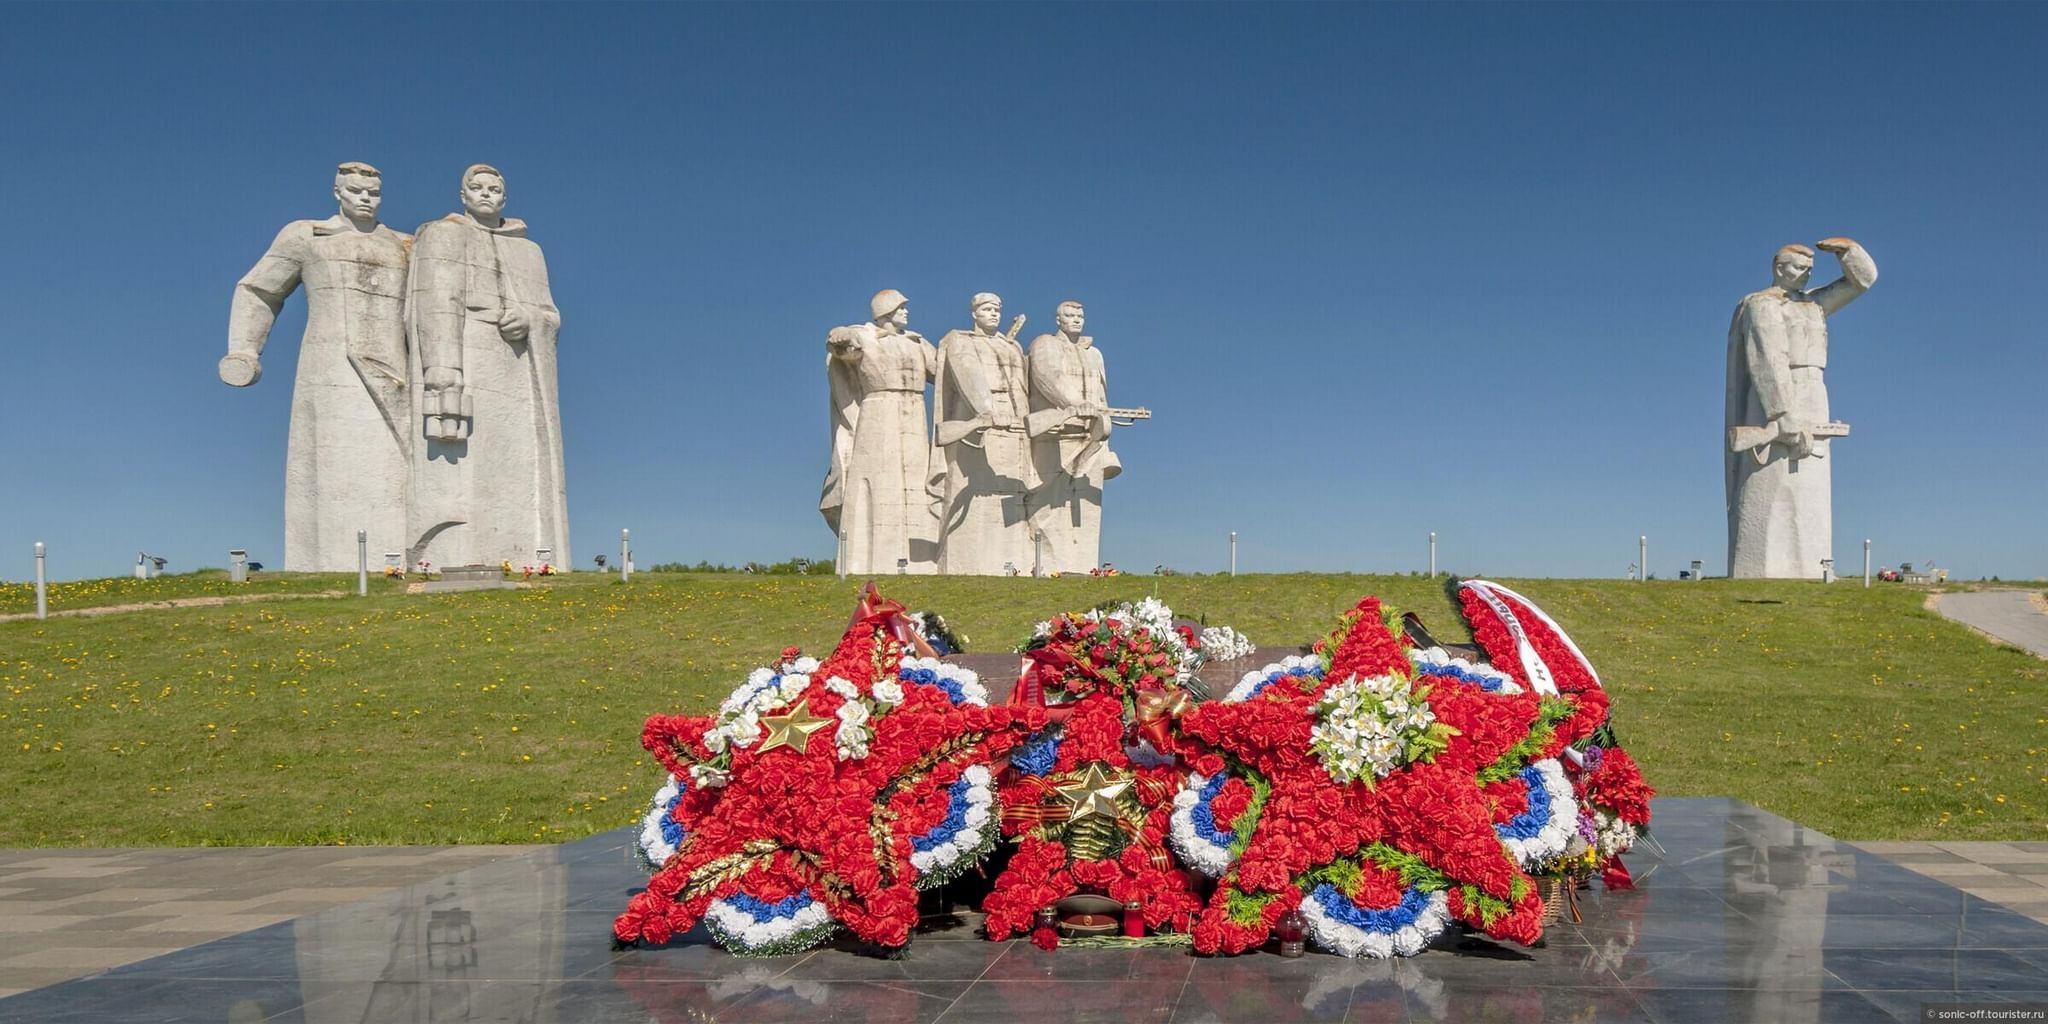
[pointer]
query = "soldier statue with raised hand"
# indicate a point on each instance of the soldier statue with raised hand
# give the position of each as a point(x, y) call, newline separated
point(874, 495)
point(346, 460)
point(488, 480)
point(1780, 499)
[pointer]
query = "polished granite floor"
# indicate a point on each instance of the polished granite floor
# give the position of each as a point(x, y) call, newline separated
point(1743, 917)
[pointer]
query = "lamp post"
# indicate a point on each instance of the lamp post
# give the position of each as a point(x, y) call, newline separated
point(42, 586)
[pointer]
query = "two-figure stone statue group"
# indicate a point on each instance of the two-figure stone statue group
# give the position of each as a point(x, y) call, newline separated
point(425, 413)
point(1004, 479)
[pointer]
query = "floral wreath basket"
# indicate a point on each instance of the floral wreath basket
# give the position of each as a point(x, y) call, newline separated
point(1361, 796)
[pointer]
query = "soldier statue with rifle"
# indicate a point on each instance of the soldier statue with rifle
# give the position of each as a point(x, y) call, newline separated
point(1780, 503)
point(1069, 426)
point(979, 403)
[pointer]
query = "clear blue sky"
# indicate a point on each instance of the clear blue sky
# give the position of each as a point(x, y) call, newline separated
point(1378, 270)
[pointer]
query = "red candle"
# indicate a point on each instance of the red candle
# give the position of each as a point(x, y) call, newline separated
point(1292, 931)
point(1047, 934)
point(1134, 920)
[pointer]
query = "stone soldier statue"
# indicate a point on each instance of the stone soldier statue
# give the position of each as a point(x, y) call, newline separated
point(979, 402)
point(346, 460)
point(1780, 502)
point(1069, 427)
point(488, 485)
point(874, 496)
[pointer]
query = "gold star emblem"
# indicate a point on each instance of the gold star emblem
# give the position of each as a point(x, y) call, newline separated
point(1092, 792)
point(793, 730)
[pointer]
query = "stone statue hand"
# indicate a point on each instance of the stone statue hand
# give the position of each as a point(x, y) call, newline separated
point(513, 327)
point(444, 404)
point(1837, 245)
point(1796, 437)
point(240, 369)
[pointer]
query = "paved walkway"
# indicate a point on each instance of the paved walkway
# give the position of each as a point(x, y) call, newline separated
point(176, 602)
point(2013, 874)
point(69, 913)
point(2017, 617)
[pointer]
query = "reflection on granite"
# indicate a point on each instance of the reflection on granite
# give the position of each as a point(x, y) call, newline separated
point(1742, 916)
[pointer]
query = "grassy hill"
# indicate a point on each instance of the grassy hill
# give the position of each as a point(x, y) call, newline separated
point(509, 716)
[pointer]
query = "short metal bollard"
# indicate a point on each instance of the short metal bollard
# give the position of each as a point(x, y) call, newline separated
point(42, 585)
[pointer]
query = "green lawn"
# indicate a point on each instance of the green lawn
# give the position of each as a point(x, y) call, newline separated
point(507, 716)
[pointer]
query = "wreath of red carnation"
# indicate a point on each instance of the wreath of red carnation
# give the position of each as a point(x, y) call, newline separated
point(804, 823)
point(1432, 810)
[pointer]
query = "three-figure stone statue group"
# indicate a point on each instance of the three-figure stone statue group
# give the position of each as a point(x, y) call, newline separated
point(1005, 479)
point(425, 413)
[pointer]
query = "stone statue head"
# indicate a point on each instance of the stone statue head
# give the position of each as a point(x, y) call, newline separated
point(988, 311)
point(1071, 318)
point(889, 308)
point(1792, 266)
point(359, 189)
point(483, 192)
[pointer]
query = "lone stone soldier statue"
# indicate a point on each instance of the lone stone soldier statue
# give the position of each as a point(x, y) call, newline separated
point(347, 457)
point(488, 480)
point(1780, 501)
point(1069, 426)
point(874, 496)
point(979, 403)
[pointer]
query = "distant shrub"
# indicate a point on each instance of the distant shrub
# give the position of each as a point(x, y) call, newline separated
point(791, 567)
point(682, 567)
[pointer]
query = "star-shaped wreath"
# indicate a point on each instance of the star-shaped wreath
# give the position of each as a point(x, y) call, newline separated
point(775, 831)
point(1351, 790)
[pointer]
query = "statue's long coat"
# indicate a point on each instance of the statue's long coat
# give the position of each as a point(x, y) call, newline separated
point(875, 488)
point(347, 457)
point(984, 523)
point(498, 496)
point(1066, 504)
